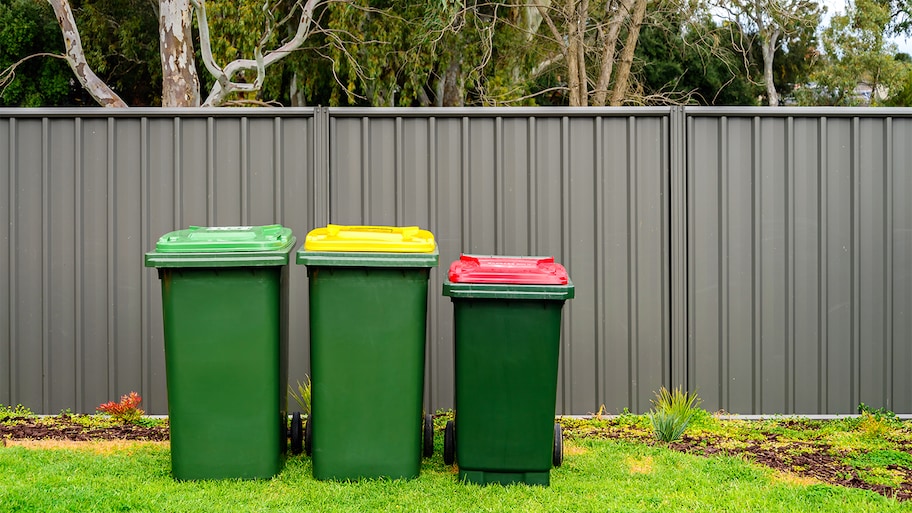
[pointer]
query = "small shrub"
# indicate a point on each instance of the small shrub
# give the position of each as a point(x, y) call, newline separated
point(9, 412)
point(302, 395)
point(672, 412)
point(126, 411)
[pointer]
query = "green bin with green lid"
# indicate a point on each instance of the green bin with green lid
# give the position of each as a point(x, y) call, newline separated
point(507, 322)
point(225, 318)
point(368, 290)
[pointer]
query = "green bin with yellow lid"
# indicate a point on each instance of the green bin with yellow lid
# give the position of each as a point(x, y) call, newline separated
point(368, 288)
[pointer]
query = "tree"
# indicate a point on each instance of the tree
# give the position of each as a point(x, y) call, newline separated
point(856, 51)
point(27, 31)
point(685, 58)
point(180, 80)
point(771, 21)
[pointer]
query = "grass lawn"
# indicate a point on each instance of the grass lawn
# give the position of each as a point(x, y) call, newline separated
point(605, 475)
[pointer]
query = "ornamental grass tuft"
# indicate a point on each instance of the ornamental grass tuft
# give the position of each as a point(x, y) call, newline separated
point(672, 413)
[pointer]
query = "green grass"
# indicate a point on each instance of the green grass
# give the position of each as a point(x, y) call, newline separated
point(597, 475)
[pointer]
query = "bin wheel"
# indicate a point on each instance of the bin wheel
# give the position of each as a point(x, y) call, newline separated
point(449, 443)
point(557, 456)
point(297, 433)
point(308, 435)
point(428, 436)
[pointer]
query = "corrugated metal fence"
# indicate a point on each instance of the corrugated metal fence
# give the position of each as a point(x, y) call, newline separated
point(759, 256)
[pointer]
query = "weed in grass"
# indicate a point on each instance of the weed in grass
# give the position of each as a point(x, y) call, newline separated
point(672, 412)
point(302, 395)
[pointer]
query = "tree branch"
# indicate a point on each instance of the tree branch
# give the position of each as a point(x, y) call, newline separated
point(225, 84)
point(9, 74)
point(75, 57)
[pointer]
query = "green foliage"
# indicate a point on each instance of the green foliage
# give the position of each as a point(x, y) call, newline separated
point(28, 27)
point(880, 413)
point(856, 51)
point(672, 412)
point(692, 61)
point(10, 412)
point(121, 43)
point(302, 395)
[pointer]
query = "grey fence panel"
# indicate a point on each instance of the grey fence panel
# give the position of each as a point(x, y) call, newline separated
point(798, 290)
point(530, 182)
point(86, 193)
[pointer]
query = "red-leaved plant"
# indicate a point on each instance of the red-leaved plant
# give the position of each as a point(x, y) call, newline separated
point(126, 410)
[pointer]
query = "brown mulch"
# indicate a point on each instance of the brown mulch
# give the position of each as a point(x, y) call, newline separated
point(68, 427)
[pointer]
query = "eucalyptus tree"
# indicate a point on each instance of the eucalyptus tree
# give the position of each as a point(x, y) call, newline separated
point(857, 50)
point(772, 22)
point(180, 77)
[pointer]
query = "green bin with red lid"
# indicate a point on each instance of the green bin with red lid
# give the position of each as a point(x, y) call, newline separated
point(225, 319)
point(507, 321)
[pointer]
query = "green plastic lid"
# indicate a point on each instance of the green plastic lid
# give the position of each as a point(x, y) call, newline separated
point(508, 291)
point(223, 246)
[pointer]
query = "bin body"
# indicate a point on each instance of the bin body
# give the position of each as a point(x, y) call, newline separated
point(507, 343)
point(224, 312)
point(368, 325)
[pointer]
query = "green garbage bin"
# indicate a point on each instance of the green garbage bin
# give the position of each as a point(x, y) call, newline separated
point(368, 309)
point(224, 311)
point(507, 320)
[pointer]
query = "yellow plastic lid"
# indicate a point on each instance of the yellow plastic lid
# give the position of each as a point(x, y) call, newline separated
point(374, 239)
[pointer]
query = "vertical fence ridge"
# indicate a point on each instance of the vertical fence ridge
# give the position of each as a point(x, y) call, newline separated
point(110, 246)
point(565, 254)
point(45, 265)
point(823, 269)
point(789, 307)
point(600, 282)
point(855, 251)
point(888, 264)
point(12, 349)
point(78, 269)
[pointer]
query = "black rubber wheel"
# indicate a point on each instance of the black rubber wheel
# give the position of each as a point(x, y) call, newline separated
point(428, 437)
point(296, 433)
point(449, 443)
point(308, 436)
point(557, 455)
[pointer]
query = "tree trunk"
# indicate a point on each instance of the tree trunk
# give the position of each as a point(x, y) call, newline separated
point(609, 46)
point(622, 81)
point(75, 57)
point(575, 55)
point(769, 50)
point(453, 85)
point(180, 86)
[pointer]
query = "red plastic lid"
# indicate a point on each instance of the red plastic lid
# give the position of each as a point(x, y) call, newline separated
point(512, 270)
